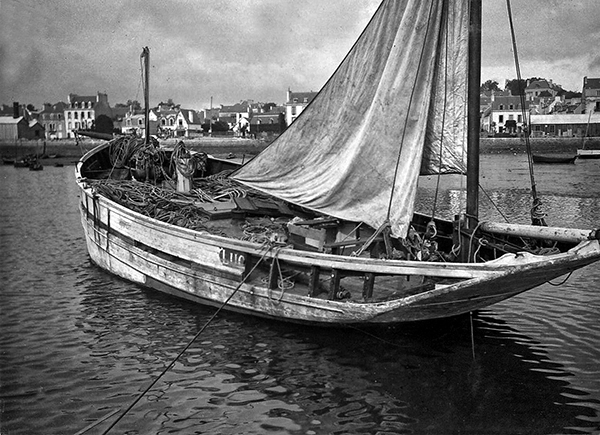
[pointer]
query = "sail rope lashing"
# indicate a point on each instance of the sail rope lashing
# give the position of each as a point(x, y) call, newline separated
point(537, 215)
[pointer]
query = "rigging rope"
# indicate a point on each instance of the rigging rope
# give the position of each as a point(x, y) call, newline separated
point(443, 124)
point(537, 217)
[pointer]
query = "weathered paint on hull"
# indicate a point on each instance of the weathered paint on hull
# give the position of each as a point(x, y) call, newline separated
point(190, 264)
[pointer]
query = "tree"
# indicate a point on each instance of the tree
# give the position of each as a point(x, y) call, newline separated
point(519, 89)
point(515, 87)
point(490, 85)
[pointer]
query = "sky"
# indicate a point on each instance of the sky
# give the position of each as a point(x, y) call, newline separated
point(227, 51)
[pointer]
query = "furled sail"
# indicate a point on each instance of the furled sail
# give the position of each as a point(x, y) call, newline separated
point(394, 108)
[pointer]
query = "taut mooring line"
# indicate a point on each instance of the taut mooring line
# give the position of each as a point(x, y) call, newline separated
point(208, 322)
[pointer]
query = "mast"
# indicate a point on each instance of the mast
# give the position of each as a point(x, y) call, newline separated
point(473, 117)
point(146, 58)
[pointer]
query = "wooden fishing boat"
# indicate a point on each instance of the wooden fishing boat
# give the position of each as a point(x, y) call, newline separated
point(320, 227)
point(554, 158)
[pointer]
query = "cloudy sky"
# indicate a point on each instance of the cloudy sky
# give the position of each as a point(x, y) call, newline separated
point(250, 49)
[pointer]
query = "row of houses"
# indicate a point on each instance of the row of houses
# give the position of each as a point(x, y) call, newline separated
point(546, 108)
point(63, 120)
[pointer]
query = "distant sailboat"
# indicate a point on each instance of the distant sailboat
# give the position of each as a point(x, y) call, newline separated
point(321, 226)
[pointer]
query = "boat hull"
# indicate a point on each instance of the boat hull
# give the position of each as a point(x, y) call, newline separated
point(554, 158)
point(214, 270)
point(588, 154)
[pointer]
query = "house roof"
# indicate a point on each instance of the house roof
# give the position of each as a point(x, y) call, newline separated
point(591, 83)
point(78, 98)
point(35, 123)
point(237, 108)
point(301, 97)
point(10, 120)
point(55, 108)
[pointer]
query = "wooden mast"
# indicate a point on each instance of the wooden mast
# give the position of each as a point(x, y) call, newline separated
point(473, 117)
point(146, 57)
point(471, 219)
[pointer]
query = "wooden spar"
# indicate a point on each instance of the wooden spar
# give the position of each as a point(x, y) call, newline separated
point(473, 119)
point(146, 57)
point(567, 235)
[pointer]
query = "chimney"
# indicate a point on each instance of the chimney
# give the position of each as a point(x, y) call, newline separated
point(15, 109)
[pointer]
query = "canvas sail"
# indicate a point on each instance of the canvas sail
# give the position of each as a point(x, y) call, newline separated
point(397, 99)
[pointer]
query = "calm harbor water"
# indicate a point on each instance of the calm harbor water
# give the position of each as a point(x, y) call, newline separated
point(77, 344)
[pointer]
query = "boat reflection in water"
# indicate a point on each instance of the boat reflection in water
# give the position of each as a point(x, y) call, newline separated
point(418, 378)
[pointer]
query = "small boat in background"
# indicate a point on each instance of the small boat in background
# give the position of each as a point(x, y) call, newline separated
point(35, 165)
point(554, 158)
point(588, 154)
point(21, 163)
point(8, 161)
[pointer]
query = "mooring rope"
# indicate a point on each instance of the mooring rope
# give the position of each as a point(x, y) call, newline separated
point(208, 322)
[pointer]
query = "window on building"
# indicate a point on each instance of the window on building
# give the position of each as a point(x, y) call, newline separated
point(75, 115)
point(511, 117)
point(295, 100)
point(171, 121)
point(68, 115)
point(163, 121)
point(501, 107)
point(511, 106)
point(519, 118)
point(501, 119)
point(181, 123)
point(141, 121)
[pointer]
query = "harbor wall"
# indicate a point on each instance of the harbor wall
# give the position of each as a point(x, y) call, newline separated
point(68, 151)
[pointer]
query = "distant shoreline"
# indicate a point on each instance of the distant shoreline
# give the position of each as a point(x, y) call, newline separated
point(68, 151)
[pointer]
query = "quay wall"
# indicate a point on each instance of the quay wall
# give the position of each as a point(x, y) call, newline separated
point(68, 151)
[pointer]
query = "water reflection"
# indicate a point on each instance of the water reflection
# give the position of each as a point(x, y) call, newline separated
point(270, 376)
point(78, 343)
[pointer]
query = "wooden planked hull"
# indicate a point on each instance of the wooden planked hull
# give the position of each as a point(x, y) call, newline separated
point(207, 269)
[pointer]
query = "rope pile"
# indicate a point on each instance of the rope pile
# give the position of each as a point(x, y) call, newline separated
point(165, 205)
point(182, 210)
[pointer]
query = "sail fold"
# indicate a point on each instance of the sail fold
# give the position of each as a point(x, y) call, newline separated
point(394, 109)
